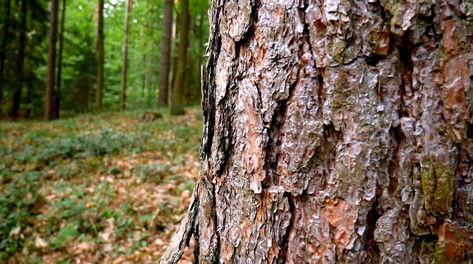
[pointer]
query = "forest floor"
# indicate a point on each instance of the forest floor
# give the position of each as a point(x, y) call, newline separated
point(105, 188)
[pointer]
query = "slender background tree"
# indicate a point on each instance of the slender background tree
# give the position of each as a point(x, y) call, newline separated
point(57, 102)
point(100, 55)
point(81, 73)
point(129, 5)
point(16, 100)
point(165, 53)
point(50, 88)
point(179, 89)
point(3, 48)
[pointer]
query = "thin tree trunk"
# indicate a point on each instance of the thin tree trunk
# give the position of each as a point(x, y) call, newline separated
point(57, 102)
point(100, 56)
point(129, 4)
point(178, 91)
point(164, 72)
point(16, 100)
point(3, 55)
point(50, 91)
point(174, 49)
point(335, 132)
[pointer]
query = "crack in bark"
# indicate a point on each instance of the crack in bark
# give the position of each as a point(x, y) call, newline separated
point(273, 143)
point(398, 137)
point(371, 219)
point(284, 250)
point(208, 88)
point(216, 226)
point(407, 68)
point(377, 149)
point(226, 136)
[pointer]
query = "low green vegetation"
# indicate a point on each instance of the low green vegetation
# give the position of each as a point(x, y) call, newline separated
point(100, 188)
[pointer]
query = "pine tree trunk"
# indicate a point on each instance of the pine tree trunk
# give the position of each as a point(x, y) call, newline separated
point(20, 61)
point(57, 102)
point(336, 132)
point(178, 91)
point(50, 88)
point(3, 49)
point(100, 56)
point(129, 4)
point(165, 53)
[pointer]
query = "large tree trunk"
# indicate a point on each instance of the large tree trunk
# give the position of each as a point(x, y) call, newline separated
point(50, 87)
point(129, 4)
point(57, 101)
point(336, 132)
point(3, 49)
point(165, 53)
point(100, 56)
point(177, 93)
point(20, 62)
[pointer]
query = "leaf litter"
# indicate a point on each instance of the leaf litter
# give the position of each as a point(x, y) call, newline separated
point(104, 188)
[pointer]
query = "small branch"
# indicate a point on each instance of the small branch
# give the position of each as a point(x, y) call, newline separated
point(181, 238)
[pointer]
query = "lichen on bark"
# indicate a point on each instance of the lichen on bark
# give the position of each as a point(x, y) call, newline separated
point(336, 132)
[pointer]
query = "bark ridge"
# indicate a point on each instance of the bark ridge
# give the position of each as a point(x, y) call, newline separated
point(336, 132)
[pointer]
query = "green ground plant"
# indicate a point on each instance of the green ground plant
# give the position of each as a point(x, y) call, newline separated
point(94, 186)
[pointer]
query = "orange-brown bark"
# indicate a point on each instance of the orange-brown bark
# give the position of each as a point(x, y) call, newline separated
point(336, 132)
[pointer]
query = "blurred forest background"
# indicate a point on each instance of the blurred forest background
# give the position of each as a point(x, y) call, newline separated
point(99, 126)
point(132, 58)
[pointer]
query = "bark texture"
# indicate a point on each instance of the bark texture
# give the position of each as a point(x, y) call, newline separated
point(335, 132)
point(100, 56)
point(50, 87)
point(165, 54)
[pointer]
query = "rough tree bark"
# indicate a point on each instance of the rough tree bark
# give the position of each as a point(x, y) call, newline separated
point(3, 48)
point(20, 62)
point(177, 93)
point(100, 56)
point(128, 8)
point(50, 87)
point(165, 53)
point(336, 132)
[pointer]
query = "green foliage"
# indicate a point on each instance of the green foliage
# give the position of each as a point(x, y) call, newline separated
point(65, 235)
point(79, 56)
point(19, 202)
point(64, 181)
point(42, 152)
